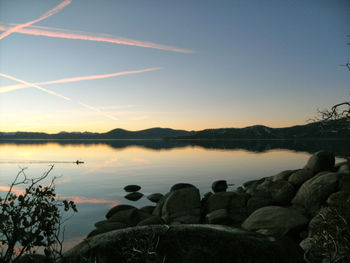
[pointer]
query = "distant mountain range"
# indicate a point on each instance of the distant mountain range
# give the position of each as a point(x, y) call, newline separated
point(311, 130)
point(153, 133)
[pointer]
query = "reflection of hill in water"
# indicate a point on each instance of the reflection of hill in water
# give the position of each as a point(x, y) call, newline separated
point(338, 147)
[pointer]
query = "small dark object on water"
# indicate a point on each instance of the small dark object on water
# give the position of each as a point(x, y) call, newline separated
point(132, 188)
point(133, 196)
point(79, 162)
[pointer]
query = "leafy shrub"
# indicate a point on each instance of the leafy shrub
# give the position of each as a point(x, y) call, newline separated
point(32, 219)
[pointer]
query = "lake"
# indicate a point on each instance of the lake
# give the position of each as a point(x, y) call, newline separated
point(155, 165)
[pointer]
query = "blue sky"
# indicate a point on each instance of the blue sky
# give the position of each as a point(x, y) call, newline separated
point(247, 62)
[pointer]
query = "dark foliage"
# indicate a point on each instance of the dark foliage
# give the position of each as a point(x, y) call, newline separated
point(32, 219)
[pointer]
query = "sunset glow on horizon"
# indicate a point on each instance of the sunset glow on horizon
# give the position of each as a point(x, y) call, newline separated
point(177, 64)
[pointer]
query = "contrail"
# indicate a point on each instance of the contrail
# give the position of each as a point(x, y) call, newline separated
point(72, 34)
point(75, 79)
point(97, 110)
point(57, 95)
point(47, 14)
point(35, 86)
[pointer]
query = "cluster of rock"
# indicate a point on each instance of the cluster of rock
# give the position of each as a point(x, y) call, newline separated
point(286, 204)
point(133, 192)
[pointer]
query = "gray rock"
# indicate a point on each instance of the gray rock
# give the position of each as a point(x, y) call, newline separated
point(148, 209)
point(307, 243)
point(152, 220)
point(118, 208)
point(132, 188)
point(256, 202)
point(345, 168)
point(181, 202)
point(130, 217)
point(315, 191)
point(299, 177)
point(218, 201)
point(321, 161)
point(110, 226)
point(338, 165)
point(187, 219)
point(237, 208)
point(277, 220)
point(338, 199)
point(155, 198)
point(134, 196)
point(281, 192)
point(219, 186)
point(284, 175)
point(158, 210)
point(185, 243)
point(179, 186)
point(218, 217)
point(101, 223)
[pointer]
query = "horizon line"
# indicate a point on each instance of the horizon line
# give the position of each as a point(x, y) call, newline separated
point(157, 127)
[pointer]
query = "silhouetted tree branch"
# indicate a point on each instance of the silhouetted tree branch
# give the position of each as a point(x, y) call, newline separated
point(32, 219)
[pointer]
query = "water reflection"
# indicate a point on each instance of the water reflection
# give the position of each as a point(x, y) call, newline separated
point(155, 165)
point(338, 147)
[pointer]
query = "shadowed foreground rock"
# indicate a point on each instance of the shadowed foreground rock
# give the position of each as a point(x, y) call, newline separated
point(184, 243)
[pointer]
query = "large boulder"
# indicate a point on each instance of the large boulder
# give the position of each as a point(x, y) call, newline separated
point(278, 221)
point(148, 209)
point(218, 217)
point(299, 177)
point(321, 161)
point(118, 208)
point(155, 198)
point(185, 244)
point(130, 217)
point(237, 208)
point(284, 175)
point(182, 202)
point(109, 226)
point(315, 191)
point(279, 192)
point(219, 200)
point(257, 202)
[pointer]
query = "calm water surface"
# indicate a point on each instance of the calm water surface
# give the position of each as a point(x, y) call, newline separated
point(98, 184)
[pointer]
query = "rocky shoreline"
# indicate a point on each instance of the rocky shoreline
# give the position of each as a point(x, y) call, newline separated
point(272, 219)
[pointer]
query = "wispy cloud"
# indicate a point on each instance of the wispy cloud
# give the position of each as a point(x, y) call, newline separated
point(57, 95)
point(73, 34)
point(75, 79)
point(18, 27)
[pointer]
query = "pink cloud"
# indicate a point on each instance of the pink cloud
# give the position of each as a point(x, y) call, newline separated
point(72, 34)
point(18, 27)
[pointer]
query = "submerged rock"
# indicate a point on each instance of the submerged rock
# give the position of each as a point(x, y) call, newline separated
point(134, 196)
point(132, 188)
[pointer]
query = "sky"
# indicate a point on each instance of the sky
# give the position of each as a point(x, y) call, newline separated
point(88, 65)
